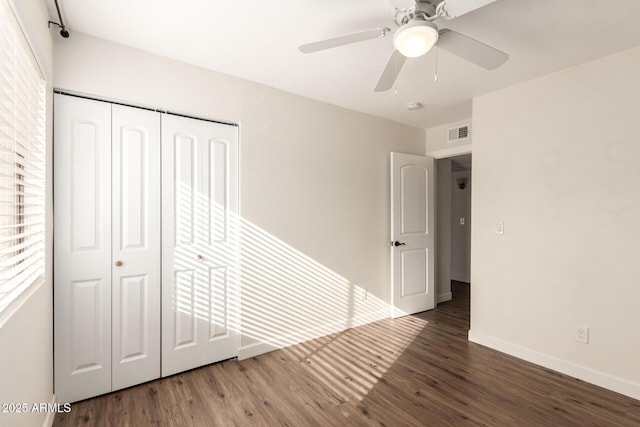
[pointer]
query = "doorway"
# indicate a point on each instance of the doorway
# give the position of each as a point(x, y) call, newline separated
point(453, 218)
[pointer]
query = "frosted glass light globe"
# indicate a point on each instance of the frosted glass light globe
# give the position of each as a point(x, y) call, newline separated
point(415, 38)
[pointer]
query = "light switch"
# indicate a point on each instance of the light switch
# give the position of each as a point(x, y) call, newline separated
point(500, 227)
point(461, 221)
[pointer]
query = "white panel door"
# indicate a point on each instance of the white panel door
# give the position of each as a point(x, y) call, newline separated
point(82, 248)
point(412, 234)
point(136, 246)
point(200, 243)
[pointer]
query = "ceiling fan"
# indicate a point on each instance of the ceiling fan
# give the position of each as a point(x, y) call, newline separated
point(417, 34)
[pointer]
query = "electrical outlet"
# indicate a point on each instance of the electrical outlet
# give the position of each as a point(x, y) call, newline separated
point(582, 334)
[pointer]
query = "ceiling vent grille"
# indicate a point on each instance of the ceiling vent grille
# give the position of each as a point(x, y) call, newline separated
point(456, 134)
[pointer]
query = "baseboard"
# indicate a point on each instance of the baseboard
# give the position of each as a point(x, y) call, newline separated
point(266, 346)
point(444, 297)
point(253, 350)
point(48, 421)
point(583, 373)
point(460, 278)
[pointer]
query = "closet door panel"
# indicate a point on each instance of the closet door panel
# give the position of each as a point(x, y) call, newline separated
point(82, 247)
point(219, 237)
point(181, 311)
point(199, 256)
point(136, 246)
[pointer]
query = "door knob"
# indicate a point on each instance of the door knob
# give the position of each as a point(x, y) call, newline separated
point(118, 263)
point(396, 243)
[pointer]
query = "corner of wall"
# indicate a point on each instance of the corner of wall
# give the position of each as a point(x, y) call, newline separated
point(447, 296)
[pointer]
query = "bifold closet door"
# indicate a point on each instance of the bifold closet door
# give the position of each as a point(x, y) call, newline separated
point(136, 246)
point(82, 248)
point(200, 243)
point(106, 247)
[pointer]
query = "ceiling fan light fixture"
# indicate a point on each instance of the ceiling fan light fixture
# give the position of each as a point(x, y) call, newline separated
point(415, 38)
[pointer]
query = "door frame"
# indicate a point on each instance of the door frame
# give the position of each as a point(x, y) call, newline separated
point(446, 153)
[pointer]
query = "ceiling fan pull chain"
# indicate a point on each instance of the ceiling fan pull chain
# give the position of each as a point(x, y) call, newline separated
point(435, 77)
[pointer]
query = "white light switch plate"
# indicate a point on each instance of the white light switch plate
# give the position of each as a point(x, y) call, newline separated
point(500, 227)
point(582, 334)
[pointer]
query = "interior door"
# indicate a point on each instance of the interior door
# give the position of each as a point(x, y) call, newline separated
point(82, 248)
point(412, 234)
point(136, 246)
point(200, 243)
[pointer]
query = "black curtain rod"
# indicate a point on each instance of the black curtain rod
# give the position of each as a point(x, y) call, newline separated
point(63, 31)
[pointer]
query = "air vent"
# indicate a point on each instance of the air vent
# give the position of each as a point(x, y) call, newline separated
point(456, 134)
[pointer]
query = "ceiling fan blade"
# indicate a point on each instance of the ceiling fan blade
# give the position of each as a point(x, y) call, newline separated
point(374, 33)
point(391, 71)
point(472, 50)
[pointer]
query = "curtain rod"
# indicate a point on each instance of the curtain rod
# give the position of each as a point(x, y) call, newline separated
point(63, 30)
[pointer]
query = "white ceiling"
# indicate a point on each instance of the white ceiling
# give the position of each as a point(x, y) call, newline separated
point(258, 41)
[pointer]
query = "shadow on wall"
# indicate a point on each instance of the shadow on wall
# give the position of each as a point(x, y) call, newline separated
point(288, 298)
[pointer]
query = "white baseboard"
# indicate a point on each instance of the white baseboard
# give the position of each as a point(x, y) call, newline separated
point(447, 296)
point(265, 346)
point(460, 278)
point(48, 421)
point(253, 350)
point(583, 373)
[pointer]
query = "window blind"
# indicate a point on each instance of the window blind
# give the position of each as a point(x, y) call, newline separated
point(22, 161)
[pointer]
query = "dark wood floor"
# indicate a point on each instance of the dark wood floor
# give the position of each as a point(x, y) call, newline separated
point(415, 371)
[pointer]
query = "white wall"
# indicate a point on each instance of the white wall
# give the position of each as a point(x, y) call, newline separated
point(443, 230)
point(558, 160)
point(461, 233)
point(314, 187)
point(26, 340)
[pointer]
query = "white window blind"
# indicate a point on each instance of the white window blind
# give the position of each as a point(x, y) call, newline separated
point(22, 162)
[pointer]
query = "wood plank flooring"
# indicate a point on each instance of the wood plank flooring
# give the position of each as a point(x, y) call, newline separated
point(415, 371)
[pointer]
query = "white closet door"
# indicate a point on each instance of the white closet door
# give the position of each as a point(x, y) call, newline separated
point(200, 243)
point(136, 246)
point(82, 248)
